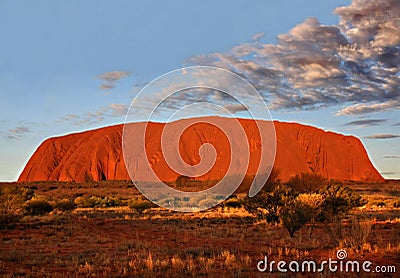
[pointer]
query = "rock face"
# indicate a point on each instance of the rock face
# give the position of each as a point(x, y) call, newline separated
point(97, 154)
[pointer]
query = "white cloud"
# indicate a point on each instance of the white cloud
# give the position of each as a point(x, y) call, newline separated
point(353, 65)
point(364, 108)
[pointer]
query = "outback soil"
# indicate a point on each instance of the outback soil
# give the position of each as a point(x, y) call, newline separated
point(223, 242)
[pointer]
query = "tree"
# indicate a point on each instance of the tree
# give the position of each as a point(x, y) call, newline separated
point(285, 206)
point(295, 215)
point(267, 204)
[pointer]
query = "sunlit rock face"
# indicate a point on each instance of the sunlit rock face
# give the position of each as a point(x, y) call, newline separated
point(97, 154)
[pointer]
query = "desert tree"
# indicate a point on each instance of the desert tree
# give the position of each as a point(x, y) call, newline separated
point(295, 215)
point(268, 204)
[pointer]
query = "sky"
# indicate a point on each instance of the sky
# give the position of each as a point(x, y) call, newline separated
point(68, 66)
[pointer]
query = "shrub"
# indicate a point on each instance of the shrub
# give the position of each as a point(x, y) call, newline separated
point(11, 204)
point(140, 204)
point(108, 202)
point(307, 182)
point(37, 206)
point(314, 201)
point(356, 233)
point(335, 230)
point(97, 202)
point(65, 205)
point(81, 202)
point(353, 235)
point(233, 202)
point(284, 205)
point(338, 201)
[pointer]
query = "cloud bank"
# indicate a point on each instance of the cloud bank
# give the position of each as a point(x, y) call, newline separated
point(353, 65)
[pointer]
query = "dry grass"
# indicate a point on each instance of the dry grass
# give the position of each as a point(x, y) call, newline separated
point(224, 242)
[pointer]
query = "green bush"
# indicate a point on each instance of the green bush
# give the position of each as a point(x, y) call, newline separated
point(37, 206)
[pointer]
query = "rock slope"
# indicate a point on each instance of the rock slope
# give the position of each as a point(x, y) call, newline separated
point(97, 154)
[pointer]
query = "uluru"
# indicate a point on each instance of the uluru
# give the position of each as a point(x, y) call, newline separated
point(97, 154)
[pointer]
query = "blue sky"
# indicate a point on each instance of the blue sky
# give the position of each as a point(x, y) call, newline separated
point(68, 66)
